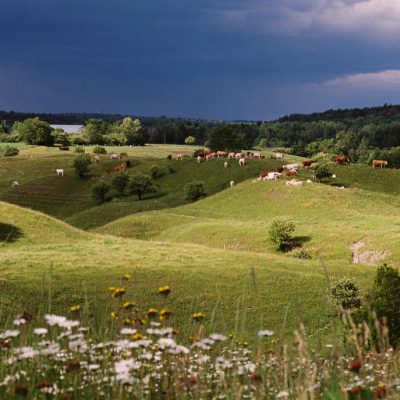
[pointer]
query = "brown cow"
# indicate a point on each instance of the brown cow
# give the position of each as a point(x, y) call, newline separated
point(221, 154)
point(289, 173)
point(263, 174)
point(307, 163)
point(379, 163)
point(279, 169)
point(342, 159)
point(169, 157)
point(122, 167)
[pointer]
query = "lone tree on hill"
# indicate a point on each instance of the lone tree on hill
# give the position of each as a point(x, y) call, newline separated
point(190, 140)
point(81, 164)
point(35, 131)
point(141, 184)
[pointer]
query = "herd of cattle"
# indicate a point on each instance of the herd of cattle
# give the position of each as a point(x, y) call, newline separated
point(288, 170)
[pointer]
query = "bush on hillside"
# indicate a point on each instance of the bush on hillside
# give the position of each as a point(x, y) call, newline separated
point(385, 299)
point(101, 193)
point(156, 171)
point(81, 164)
point(280, 233)
point(190, 140)
point(99, 150)
point(141, 184)
point(346, 293)
point(79, 149)
point(35, 131)
point(9, 138)
point(10, 151)
point(194, 190)
point(120, 183)
point(321, 171)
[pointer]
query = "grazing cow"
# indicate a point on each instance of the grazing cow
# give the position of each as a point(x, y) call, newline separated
point(292, 172)
point(294, 182)
point(334, 176)
point(199, 159)
point(309, 181)
point(279, 156)
point(179, 157)
point(242, 161)
point(96, 158)
point(291, 167)
point(213, 155)
point(169, 157)
point(15, 184)
point(60, 172)
point(342, 159)
point(122, 167)
point(279, 169)
point(208, 157)
point(114, 156)
point(238, 155)
point(231, 156)
point(226, 164)
point(221, 154)
point(263, 174)
point(232, 183)
point(272, 176)
point(379, 163)
point(64, 148)
point(307, 163)
point(257, 155)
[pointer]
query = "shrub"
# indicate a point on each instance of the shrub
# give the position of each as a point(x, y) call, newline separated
point(346, 293)
point(120, 182)
point(141, 184)
point(280, 233)
point(302, 255)
point(10, 151)
point(170, 169)
point(79, 149)
point(321, 171)
point(99, 150)
point(101, 193)
point(190, 140)
point(81, 164)
point(194, 190)
point(156, 171)
point(79, 140)
point(385, 299)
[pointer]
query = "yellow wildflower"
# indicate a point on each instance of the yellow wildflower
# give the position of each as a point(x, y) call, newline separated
point(127, 305)
point(75, 308)
point(114, 315)
point(152, 312)
point(137, 336)
point(198, 316)
point(126, 277)
point(118, 292)
point(165, 290)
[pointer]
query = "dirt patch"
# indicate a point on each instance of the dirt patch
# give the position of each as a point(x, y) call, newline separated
point(368, 256)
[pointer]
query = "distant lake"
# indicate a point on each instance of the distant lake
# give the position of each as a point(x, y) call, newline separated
point(69, 128)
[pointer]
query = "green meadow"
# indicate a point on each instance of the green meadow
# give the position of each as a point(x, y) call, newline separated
point(58, 248)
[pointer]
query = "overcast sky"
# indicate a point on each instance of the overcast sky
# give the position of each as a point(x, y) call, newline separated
point(219, 59)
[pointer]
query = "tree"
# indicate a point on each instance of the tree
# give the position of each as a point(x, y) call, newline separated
point(94, 131)
point(346, 293)
point(321, 171)
point(194, 190)
point(190, 140)
point(99, 150)
point(35, 131)
point(141, 184)
point(81, 164)
point(120, 182)
point(101, 193)
point(225, 138)
point(132, 129)
point(280, 233)
point(385, 299)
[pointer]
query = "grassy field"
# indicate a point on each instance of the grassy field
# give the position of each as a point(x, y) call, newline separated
point(214, 252)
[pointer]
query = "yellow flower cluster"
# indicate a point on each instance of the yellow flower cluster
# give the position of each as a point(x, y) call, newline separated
point(198, 316)
point(75, 309)
point(165, 290)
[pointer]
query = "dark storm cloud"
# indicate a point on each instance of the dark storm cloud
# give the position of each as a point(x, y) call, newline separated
point(217, 59)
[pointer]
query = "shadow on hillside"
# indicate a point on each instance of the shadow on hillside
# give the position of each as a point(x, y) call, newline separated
point(9, 233)
point(297, 242)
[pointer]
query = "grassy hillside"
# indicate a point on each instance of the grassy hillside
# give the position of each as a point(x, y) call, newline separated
point(63, 267)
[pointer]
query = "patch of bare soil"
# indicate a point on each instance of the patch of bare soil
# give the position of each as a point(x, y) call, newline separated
point(368, 256)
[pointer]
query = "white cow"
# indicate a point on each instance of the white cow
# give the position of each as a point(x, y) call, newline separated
point(242, 161)
point(291, 167)
point(60, 172)
point(15, 184)
point(96, 158)
point(294, 182)
point(334, 176)
point(279, 156)
point(114, 156)
point(179, 157)
point(238, 155)
point(232, 183)
point(257, 155)
point(226, 164)
point(272, 176)
point(309, 181)
point(208, 157)
point(231, 156)
point(199, 159)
